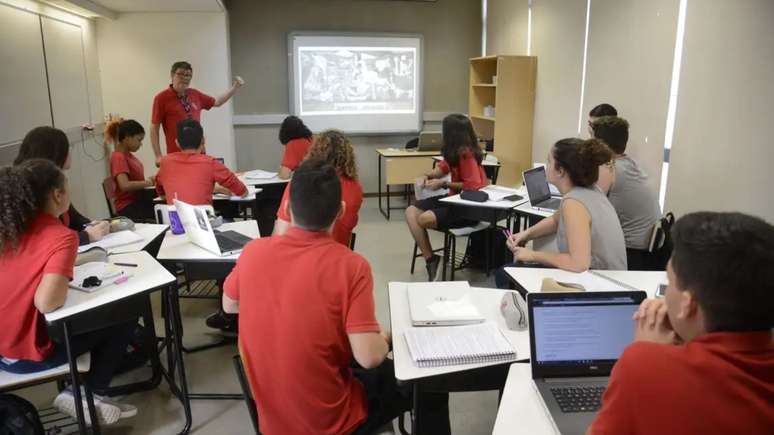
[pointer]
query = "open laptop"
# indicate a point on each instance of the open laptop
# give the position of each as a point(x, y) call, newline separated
point(200, 232)
point(445, 303)
point(538, 191)
point(575, 339)
point(430, 141)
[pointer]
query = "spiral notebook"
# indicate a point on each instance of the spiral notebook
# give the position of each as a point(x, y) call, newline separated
point(454, 345)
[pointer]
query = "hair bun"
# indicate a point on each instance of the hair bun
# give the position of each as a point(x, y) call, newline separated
point(596, 151)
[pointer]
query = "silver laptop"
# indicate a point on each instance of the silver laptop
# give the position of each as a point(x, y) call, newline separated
point(537, 188)
point(430, 141)
point(575, 339)
point(200, 232)
point(446, 303)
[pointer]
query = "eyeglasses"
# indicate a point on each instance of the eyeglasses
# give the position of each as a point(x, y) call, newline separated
point(184, 75)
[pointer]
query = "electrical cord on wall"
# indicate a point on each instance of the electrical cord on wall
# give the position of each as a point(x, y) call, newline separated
point(96, 142)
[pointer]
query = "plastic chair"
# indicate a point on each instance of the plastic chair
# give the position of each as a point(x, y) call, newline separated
point(109, 189)
point(450, 247)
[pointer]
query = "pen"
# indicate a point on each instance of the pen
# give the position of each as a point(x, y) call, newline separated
point(126, 264)
point(122, 280)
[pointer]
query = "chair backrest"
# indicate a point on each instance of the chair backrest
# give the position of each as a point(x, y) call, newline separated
point(352, 239)
point(109, 189)
point(161, 211)
point(243, 375)
point(413, 143)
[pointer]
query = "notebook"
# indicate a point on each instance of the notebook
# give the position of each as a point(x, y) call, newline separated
point(113, 240)
point(105, 272)
point(421, 192)
point(454, 345)
point(260, 174)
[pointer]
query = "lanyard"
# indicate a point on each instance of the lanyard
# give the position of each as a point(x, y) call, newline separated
point(186, 105)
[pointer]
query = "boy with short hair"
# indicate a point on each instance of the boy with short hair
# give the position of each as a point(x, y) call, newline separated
point(190, 176)
point(306, 310)
point(626, 185)
point(703, 357)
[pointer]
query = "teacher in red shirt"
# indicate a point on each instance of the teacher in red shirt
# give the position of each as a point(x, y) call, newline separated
point(178, 102)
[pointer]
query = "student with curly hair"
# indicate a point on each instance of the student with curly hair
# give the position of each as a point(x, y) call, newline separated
point(51, 144)
point(127, 170)
point(334, 147)
point(297, 138)
point(39, 253)
point(588, 233)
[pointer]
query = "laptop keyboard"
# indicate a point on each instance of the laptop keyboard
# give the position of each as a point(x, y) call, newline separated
point(552, 203)
point(578, 399)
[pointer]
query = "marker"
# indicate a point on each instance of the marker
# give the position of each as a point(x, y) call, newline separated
point(122, 280)
point(126, 264)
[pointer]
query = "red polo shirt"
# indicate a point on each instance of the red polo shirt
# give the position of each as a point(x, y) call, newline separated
point(468, 171)
point(295, 150)
point(299, 296)
point(351, 194)
point(192, 178)
point(169, 109)
point(125, 163)
point(46, 247)
point(719, 383)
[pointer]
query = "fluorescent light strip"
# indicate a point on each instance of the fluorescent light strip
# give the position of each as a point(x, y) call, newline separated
point(673, 91)
point(483, 27)
point(529, 27)
point(583, 74)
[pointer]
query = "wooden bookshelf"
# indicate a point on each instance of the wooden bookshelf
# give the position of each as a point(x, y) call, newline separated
point(513, 97)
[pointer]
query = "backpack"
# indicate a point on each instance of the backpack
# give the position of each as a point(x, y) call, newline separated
point(19, 417)
point(475, 252)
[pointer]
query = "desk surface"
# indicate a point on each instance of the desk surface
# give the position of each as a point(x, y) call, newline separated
point(395, 152)
point(527, 209)
point(148, 275)
point(148, 233)
point(485, 162)
point(500, 205)
point(261, 181)
point(531, 278)
point(521, 407)
point(251, 192)
point(178, 248)
point(486, 300)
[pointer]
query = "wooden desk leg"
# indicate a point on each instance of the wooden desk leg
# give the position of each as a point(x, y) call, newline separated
point(75, 378)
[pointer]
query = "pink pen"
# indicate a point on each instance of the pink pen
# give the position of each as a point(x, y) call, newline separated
point(122, 280)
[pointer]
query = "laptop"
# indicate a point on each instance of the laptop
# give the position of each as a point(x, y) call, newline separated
point(200, 232)
point(445, 303)
point(575, 339)
point(538, 191)
point(430, 141)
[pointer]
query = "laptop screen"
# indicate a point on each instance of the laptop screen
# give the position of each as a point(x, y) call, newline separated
point(581, 333)
point(537, 186)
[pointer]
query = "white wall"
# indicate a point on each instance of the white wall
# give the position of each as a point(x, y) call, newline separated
point(136, 52)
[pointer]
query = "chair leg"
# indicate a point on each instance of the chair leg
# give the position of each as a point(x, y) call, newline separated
point(249, 400)
point(453, 255)
point(414, 258)
point(446, 236)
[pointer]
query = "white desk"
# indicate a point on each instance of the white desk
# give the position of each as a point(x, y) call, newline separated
point(526, 209)
point(262, 181)
point(486, 300)
point(251, 192)
point(500, 205)
point(521, 409)
point(484, 162)
point(179, 248)
point(148, 275)
point(531, 279)
point(149, 232)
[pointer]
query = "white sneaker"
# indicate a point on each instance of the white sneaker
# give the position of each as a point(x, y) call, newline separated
point(127, 410)
point(106, 413)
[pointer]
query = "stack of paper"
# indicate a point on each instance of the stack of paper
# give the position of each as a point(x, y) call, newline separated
point(112, 240)
point(421, 192)
point(498, 193)
point(260, 174)
point(453, 345)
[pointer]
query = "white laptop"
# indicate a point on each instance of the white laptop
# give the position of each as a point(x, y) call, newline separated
point(200, 233)
point(446, 303)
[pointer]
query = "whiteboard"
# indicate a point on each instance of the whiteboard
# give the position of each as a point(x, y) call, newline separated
point(24, 103)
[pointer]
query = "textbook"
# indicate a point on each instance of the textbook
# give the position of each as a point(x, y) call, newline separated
point(454, 345)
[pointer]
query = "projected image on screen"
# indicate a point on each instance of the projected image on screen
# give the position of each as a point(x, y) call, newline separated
point(346, 80)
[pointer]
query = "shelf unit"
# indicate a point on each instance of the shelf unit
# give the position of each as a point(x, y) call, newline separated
point(513, 97)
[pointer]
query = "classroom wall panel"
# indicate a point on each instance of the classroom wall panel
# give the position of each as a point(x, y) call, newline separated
point(723, 148)
point(506, 27)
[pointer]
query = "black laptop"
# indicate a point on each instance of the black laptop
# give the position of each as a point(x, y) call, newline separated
point(575, 339)
point(538, 191)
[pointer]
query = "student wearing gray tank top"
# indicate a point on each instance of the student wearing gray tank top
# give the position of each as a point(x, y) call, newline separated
point(587, 230)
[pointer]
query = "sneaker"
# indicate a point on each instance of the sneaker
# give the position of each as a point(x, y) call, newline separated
point(432, 267)
point(106, 413)
point(223, 321)
point(127, 410)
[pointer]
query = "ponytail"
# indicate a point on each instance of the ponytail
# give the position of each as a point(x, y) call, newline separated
point(24, 189)
point(111, 131)
point(117, 129)
point(581, 159)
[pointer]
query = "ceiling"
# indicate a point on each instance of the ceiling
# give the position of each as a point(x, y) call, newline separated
point(160, 5)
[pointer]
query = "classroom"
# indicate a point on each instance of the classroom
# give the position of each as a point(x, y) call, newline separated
point(386, 217)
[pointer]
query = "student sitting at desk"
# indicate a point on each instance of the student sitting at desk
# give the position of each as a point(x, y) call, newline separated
point(627, 189)
point(304, 319)
point(127, 170)
point(52, 144)
point(333, 147)
point(703, 357)
point(189, 175)
point(599, 111)
point(37, 254)
point(462, 158)
point(588, 233)
point(297, 138)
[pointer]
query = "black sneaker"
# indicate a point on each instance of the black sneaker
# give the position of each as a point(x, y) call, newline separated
point(432, 267)
point(223, 321)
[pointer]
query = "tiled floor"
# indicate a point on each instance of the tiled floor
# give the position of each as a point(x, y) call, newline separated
point(387, 246)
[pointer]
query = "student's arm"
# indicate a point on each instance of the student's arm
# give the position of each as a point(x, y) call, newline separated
point(471, 175)
point(280, 227)
point(52, 290)
point(606, 177)
point(229, 180)
point(122, 180)
point(230, 297)
point(284, 172)
point(545, 227)
point(369, 346)
point(157, 116)
point(228, 94)
point(578, 230)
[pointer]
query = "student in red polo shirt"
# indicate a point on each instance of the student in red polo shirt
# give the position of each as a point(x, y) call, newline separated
point(297, 139)
point(335, 148)
point(190, 176)
point(304, 319)
point(127, 170)
point(703, 357)
point(37, 254)
point(178, 102)
point(462, 158)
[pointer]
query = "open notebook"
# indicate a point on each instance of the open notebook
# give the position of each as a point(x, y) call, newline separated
point(454, 345)
point(106, 273)
point(114, 240)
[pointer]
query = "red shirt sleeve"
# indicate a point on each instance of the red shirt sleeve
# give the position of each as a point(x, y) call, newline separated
point(281, 213)
point(228, 179)
point(62, 259)
point(619, 411)
point(118, 164)
point(207, 101)
point(361, 316)
point(295, 151)
point(471, 173)
point(157, 111)
point(444, 167)
point(353, 197)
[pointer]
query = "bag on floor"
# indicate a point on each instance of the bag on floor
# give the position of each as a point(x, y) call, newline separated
point(19, 417)
point(475, 253)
